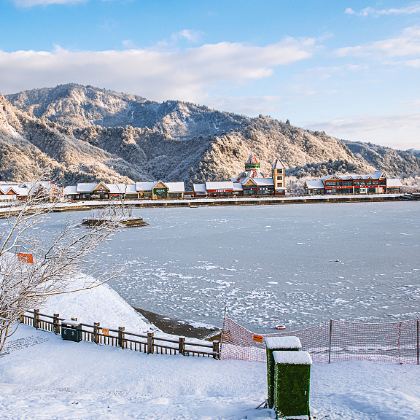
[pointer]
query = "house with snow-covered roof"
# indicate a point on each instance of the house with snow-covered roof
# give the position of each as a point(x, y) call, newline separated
point(374, 183)
point(199, 190)
point(219, 188)
point(160, 189)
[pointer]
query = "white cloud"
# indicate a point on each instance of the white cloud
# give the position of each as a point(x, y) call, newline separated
point(188, 34)
point(180, 74)
point(405, 44)
point(393, 11)
point(398, 131)
point(32, 3)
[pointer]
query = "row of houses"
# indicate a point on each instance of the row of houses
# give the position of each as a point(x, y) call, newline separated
point(13, 191)
point(375, 183)
point(103, 191)
point(250, 182)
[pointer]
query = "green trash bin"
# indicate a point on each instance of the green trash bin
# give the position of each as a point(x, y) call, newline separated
point(292, 373)
point(286, 343)
point(71, 330)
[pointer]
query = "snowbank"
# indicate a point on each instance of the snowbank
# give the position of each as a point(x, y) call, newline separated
point(99, 304)
point(45, 377)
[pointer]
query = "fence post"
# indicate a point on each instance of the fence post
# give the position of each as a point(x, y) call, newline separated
point(96, 332)
point(36, 318)
point(216, 350)
point(181, 346)
point(418, 341)
point(330, 341)
point(150, 342)
point(121, 337)
point(22, 318)
point(56, 324)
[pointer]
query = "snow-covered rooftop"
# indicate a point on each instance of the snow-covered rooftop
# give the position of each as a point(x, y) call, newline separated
point(116, 188)
point(237, 186)
point(374, 175)
point(292, 357)
point(86, 187)
point(4, 189)
point(314, 184)
point(262, 182)
point(175, 187)
point(278, 164)
point(70, 190)
point(219, 185)
point(145, 185)
point(130, 189)
point(200, 188)
point(287, 342)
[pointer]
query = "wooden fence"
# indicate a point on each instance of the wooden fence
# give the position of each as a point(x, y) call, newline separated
point(148, 343)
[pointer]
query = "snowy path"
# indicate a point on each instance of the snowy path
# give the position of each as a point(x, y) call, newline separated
point(56, 379)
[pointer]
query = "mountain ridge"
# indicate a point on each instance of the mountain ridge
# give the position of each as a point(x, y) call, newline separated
point(86, 133)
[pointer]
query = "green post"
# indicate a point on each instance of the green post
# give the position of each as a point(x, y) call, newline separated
point(287, 343)
point(292, 374)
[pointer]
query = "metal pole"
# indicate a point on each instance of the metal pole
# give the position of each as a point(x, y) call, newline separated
point(418, 342)
point(330, 340)
point(223, 330)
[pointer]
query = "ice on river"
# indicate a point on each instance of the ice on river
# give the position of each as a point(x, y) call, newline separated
point(295, 264)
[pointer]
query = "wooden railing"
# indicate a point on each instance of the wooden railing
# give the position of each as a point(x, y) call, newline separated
point(148, 343)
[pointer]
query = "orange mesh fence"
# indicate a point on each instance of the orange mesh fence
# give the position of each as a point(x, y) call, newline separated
point(395, 342)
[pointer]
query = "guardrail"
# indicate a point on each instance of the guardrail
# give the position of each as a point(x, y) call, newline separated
point(148, 343)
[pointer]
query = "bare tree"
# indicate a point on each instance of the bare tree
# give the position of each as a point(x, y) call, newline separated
point(46, 265)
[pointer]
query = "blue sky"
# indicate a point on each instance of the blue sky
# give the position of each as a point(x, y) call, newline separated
point(351, 68)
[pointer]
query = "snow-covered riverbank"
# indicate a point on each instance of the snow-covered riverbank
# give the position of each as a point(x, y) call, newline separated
point(11, 207)
point(43, 377)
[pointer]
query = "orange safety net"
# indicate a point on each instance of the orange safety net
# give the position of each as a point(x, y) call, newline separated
point(395, 342)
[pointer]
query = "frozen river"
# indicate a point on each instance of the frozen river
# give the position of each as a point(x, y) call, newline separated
point(293, 264)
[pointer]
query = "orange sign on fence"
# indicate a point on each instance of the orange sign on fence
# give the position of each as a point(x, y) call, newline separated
point(105, 331)
point(26, 258)
point(258, 338)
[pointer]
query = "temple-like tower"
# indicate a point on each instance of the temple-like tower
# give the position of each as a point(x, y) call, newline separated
point(252, 168)
point(279, 176)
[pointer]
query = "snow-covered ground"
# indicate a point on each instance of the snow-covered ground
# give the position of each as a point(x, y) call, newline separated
point(43, 377)
point(98, 304)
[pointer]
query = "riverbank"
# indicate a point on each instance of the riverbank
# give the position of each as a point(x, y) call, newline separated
point(199, 202)
point(179, 327)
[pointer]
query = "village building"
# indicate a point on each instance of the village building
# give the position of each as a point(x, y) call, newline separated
point(254, 182)
point(219, 188)
point(393, 185)
point(94, 191)
point(11, 191)
point(279, 177)
point(160, 190)
point(199, 190)
point(375, 183)
point(251, 182)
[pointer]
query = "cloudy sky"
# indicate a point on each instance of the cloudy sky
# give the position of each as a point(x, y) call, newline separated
point(351, 68)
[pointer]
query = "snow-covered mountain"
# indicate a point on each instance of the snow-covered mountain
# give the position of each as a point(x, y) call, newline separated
point(86, 133)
